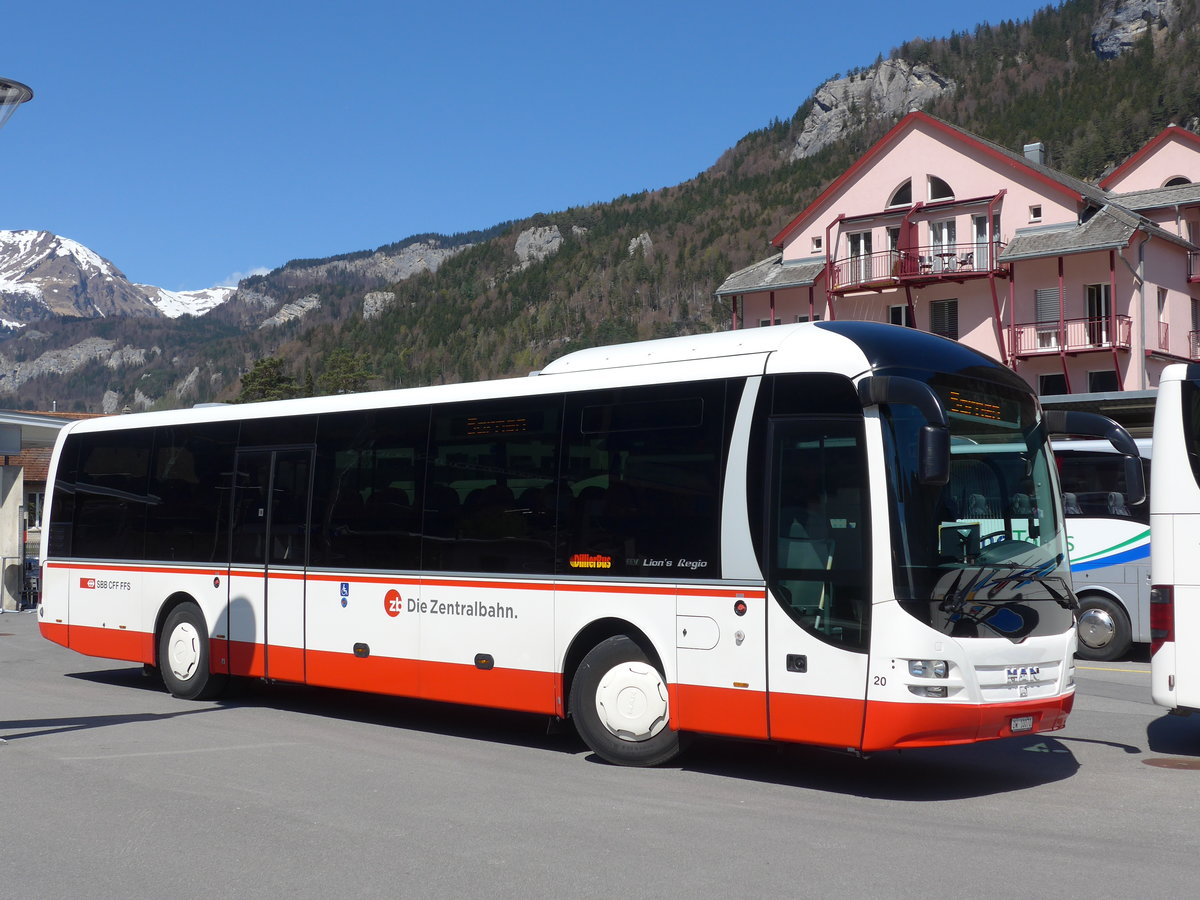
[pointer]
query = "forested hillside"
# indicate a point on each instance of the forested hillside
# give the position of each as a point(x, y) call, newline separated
point(647, 264)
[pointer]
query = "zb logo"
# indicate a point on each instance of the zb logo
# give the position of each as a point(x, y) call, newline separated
point(393, 603)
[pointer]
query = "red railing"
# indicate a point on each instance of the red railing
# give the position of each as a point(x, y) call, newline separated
point(1074, 335)
point(931, 263)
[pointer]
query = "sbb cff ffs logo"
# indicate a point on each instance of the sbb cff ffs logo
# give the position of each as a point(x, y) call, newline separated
point(88, 584)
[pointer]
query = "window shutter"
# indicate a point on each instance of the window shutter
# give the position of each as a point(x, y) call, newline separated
point(1047, 305)
point(943, 318)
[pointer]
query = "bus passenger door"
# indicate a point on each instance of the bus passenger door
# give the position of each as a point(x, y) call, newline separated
point(818, 580)
point(269, 551)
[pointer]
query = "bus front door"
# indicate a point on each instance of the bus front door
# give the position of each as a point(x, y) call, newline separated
point(818, 575)
point(268, 555)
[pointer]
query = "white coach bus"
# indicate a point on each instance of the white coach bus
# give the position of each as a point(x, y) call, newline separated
point(1175, 534)
point(753, 533)
point(1108, 539)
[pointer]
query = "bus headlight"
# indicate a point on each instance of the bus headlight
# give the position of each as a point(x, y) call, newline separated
point(928, 668)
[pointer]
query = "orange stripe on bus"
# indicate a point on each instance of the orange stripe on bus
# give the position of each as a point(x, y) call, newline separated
point(666, 590)
point(112, 643)
point(55, 631)
point(714, 710)
point(891, 725)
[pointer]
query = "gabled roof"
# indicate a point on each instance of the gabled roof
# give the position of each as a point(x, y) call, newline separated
point(1157, 198)
point(771, 274)
point(1055, 181)
point(1171, 131)
point(1109, 229)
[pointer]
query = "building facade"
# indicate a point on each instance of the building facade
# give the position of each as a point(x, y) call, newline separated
point(1079, 287)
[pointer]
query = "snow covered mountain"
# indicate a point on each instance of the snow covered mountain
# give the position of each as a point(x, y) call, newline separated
point(45, 276)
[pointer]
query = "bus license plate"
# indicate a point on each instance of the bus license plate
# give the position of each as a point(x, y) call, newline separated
point(1021, 723)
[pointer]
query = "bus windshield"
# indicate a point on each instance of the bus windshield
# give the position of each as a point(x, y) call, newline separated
point(984, 555)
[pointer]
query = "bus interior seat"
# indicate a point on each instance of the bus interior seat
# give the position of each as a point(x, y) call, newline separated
point(1116, 504)
point(1071, 504)
point(977, 506)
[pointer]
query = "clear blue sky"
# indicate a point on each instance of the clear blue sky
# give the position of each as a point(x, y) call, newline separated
point(192, 142)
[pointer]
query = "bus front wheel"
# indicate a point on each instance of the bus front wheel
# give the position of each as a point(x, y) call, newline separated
point(183, 655)
point(619, 704)
point(1103, 631)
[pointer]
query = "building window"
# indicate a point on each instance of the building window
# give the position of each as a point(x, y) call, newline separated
point(763, 323)
point(1099, 312)
point(1177, 181)
point(903, 195)
point(1035, 213)
point(939, 190)
point(1050, 385)
point(817, 244)
point(1103, 381)
point(898, 315)
point(943, 318)
point(860, 256)
point(816, 318)
point(1046, 309)
point(944, 241)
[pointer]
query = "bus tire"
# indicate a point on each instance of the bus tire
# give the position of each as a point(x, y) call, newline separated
point(183, 655)
point(1103, 628)
point(619, 705)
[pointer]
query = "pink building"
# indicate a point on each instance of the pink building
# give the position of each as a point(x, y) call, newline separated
point(1078, 287)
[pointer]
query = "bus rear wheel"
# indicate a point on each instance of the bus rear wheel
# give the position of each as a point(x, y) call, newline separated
point(183, 655)
point(620, 707)
point(1104, 632)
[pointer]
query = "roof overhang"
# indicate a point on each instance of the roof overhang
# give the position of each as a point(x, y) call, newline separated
point(24, 431)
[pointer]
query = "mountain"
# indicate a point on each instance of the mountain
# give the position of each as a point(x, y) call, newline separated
point(1091, 79)
point(44, 276)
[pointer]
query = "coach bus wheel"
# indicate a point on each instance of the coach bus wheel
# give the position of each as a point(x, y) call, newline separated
point(1103, 630)
point(183, 655)
point(619, 704)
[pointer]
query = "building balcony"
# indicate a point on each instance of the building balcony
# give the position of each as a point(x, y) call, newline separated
point(915, 267)
point(1074, 336)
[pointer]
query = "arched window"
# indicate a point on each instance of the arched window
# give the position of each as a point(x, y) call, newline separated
point(1177, 180)
point(939, 190)
point(902, 195)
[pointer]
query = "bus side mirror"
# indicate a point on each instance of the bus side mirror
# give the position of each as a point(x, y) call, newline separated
point(933, 463)
point(1073, 421)
point(1135, 481)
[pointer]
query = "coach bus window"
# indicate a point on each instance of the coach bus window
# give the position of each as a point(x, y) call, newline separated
point(365, 509)
point(189, 484)
point(1093, 486)
point(111, 495)
point(1190, 395)
point(643, 469)
point(490, 486)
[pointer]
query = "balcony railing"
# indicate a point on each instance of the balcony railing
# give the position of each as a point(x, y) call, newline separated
point(872, 271)
point(1074, 335)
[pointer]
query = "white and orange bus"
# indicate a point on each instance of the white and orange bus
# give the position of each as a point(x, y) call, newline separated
point(755, 533)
